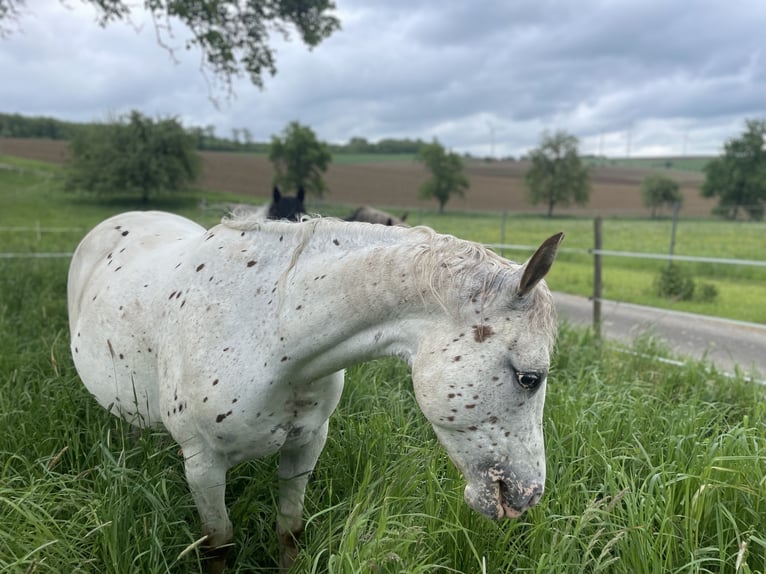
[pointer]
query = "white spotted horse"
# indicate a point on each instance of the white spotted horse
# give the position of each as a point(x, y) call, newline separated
point(234, 339)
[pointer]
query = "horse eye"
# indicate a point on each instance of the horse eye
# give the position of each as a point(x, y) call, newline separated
point(529, 381)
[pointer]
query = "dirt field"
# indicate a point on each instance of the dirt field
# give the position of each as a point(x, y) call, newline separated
point(495, 186)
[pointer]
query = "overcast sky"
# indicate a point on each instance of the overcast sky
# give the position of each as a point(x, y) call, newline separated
point(636, 77)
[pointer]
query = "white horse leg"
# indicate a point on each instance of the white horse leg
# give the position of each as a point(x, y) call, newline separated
point(206, 476)
point(295, 466)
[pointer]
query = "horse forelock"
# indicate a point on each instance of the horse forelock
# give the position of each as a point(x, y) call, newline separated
point(461, 273)
point(458, 272)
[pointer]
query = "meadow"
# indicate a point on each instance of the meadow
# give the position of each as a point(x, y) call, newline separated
point(651, 467)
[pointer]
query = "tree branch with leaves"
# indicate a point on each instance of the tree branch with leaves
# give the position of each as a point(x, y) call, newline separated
point(233, 35)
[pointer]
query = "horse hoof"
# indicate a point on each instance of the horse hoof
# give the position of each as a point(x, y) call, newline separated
point(215, 558)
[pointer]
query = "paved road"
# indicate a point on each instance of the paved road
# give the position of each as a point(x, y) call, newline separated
point(723, 343)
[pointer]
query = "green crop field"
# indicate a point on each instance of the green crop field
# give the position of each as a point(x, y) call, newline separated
point(690, 163)
point(651, 467)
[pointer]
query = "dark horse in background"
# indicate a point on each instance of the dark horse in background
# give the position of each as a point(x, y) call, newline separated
point(371, 215)
point(285, 207)
point(281, 207)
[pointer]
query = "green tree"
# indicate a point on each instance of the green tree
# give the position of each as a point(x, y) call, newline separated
point(658, 190)
point(135, 155)
point(738, 177)
point(233, 35)
point(557, 174)
point(299, 159)
point(447, 176)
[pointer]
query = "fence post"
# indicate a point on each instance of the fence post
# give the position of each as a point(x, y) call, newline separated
point(676, 207)
point(597, 277)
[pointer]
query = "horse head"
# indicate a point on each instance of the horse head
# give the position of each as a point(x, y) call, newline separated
point(480, 379)
point(285, 207)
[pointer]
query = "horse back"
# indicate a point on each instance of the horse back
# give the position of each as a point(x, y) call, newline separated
point(98, 254)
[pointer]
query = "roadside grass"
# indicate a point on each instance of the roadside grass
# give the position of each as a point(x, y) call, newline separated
point(651, 468)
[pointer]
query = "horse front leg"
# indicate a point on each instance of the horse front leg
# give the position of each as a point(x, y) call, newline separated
point(295, 466)
point(206, 476)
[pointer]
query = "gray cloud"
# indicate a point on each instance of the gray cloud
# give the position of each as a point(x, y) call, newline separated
point(667, 77)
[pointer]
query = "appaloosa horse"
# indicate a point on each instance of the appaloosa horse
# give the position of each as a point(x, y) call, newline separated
point(234, 339)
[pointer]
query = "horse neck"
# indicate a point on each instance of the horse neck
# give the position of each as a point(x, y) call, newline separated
point(366, 304)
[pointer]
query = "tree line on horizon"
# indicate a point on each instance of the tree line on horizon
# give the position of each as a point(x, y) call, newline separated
point(205, 138)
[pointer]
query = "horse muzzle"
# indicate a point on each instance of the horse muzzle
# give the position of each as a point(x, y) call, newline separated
point(502, 495)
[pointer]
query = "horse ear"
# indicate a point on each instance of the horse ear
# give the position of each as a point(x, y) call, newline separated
point(276, 195)
point(301, 193)
point(539, 264)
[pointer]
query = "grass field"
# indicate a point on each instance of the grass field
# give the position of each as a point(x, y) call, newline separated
point(651, 468)
point(684, 163)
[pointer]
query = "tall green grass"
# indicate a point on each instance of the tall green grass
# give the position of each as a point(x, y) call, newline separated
point(651, 468)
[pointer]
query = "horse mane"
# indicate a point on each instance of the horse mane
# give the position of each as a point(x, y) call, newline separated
point(455, 272)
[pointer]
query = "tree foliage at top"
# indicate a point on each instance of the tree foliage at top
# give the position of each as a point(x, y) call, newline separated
point(557, 174)
point(299, 159)
point(738, 177)
point(658, 190)
point(233, 35)
point(135, 156)
point(447, 176)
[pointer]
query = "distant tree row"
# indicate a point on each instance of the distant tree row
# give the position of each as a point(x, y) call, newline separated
point(145, 156)
point(387, 145)
point(205, 138)
point(18, 126)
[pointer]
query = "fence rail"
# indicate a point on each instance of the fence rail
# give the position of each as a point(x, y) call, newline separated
point(38, 229)
point(597, 252)
point(34, 255)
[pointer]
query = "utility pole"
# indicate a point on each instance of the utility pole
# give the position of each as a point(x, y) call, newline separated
point(491, 140)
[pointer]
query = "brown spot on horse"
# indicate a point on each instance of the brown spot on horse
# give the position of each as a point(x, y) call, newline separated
point(482, 332)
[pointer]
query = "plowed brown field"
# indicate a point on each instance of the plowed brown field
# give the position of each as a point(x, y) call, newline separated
point(495, 186)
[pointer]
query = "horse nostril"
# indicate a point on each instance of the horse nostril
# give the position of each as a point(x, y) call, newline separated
point(537, 494)
point(527, 497)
